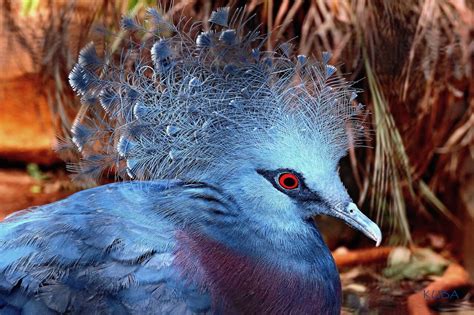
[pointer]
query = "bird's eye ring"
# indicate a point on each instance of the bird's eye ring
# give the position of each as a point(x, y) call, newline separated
point(288, 181)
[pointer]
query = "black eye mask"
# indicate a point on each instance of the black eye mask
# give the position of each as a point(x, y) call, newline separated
point(301, 193)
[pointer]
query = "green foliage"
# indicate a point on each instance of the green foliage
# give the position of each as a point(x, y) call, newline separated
point(35, 172)
point(28, 7)
point(132, 4)
point(404, 264)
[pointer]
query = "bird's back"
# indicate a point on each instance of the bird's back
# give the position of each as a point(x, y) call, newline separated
point(99, 251)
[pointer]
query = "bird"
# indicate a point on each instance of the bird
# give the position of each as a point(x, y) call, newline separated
point(224, 154)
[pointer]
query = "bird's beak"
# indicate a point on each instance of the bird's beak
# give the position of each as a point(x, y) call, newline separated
point(355, 218)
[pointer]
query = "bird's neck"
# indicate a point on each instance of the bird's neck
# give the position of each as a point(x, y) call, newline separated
point(263, 281)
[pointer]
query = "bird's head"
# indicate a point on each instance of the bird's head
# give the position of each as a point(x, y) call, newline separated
point(267, 127)
point(284, 177)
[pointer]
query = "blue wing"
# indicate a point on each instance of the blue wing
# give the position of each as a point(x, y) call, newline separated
point(103, 250)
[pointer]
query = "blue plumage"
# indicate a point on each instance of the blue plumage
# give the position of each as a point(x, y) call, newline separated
point(248, 142)
point(86, 255)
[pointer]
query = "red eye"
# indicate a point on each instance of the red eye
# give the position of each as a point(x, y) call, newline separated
point(288, 181)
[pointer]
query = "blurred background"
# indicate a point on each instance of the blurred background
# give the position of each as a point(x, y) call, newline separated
point(413, 60)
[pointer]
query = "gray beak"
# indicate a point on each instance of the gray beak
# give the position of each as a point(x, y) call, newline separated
point(355, 218)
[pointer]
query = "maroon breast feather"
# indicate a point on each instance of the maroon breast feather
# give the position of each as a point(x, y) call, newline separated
point(239, 284)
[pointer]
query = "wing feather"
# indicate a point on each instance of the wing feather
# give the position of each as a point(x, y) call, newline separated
point(99, 251)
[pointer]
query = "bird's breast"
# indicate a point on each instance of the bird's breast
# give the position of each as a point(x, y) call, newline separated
point(244, 285)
